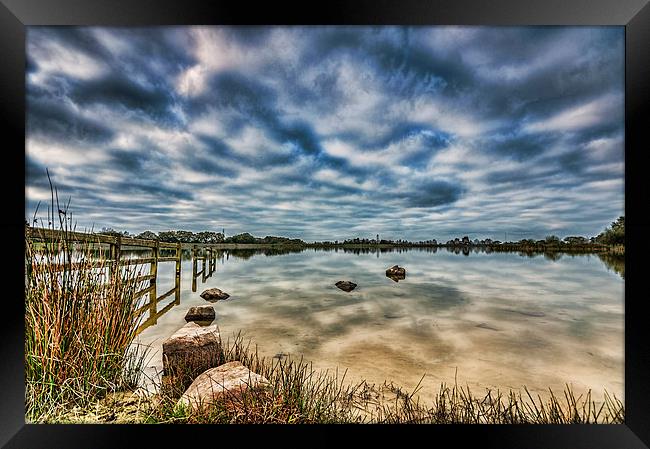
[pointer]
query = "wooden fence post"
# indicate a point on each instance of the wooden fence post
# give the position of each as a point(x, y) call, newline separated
point(153, 271)
point(114, 254)
point(203, 276)
point(177, 283)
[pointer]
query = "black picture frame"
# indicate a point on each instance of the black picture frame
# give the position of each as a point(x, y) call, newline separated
point(634, 15)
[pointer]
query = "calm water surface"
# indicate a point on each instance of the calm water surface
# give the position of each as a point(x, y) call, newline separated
point(498, 320)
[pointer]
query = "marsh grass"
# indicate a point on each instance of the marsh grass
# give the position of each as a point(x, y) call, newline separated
point(79, 323)
point(300, 394)
point(296, 394)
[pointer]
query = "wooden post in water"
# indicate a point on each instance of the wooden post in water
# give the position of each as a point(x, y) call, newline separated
point(177, 283)
point(203, 272)
point(194, 268)
point(153, 271)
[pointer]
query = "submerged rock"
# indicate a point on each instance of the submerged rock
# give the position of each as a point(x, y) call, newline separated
point(346, 286)
point(227, 381)
point(191, 349)
point(200, 313)
point(214, 294)
point(396, 273)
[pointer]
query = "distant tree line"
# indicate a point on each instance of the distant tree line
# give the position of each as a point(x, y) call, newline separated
point(268, 240)
point(202, 237)
point(171, 236)
point(612, 235)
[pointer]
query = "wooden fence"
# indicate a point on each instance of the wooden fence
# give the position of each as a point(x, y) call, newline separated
point(116, 247)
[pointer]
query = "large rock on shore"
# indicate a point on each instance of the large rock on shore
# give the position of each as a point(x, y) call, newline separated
point(346, 286)
point(227, 381)
point(191, 349)
point(214, 294)
point(200, 313)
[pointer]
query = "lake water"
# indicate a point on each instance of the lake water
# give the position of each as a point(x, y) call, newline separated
point(497, 320)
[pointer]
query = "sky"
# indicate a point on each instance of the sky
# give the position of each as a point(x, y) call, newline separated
point(326, 133)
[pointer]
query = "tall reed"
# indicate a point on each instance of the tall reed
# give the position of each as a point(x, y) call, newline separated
point(79, 322)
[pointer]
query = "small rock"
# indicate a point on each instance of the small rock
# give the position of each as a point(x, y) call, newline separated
point(396, 278)
point(200, 313)
point(396, 273)
point(214, 294)
point(229, 380)
point(191, 349)
point(346, 286)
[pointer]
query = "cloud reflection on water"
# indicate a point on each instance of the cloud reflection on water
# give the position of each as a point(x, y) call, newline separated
point(500, 319)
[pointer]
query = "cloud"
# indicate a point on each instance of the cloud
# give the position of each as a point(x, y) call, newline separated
point(591, 114)
point(431, 194)
point(330, 132)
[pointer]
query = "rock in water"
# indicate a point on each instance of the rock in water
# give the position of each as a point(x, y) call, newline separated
point(396, 271)
point(214, 294)
point(191, 349)
point(396, 277)
point(227, 381)
point(200, 313)
point(346, 286)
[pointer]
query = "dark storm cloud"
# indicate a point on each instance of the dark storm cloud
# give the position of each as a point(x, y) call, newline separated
point(35, 173)
point(73, 38)
point(238, 91)
point(520, 147)
point(52, 118)
point(129, 160)
point(330, 132)
point(117, 90)
point(431, 194)
point(136, 187)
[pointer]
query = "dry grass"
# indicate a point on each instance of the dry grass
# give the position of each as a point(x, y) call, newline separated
point(299, 394)
point(78, 326)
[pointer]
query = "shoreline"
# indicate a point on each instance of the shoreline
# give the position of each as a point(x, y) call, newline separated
point(504, 247)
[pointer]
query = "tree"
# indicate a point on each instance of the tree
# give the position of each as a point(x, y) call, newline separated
point(113, 232)
point(575, 240)
point(552, 239)
point(168, 236)
point(614, 234)
point(241, 238)
point(147, 235)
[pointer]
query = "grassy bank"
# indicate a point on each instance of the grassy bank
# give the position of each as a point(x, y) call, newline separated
point(300, 394)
